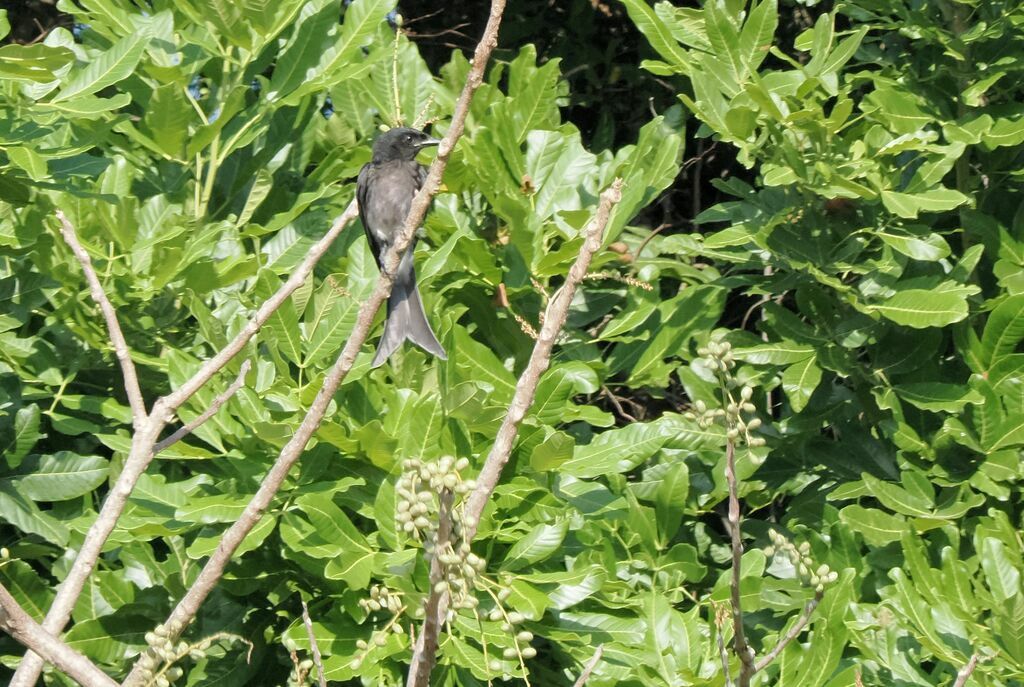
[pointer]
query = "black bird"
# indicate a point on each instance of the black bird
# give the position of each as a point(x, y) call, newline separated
point(385, 191)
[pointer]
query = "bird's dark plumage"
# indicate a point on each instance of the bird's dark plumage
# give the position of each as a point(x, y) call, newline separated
point(385, 190)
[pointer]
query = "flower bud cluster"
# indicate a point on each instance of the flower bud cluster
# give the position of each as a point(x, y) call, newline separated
point(718, 357)
point(164, 650)
point(418, 489)
point(510, 620)
point(382, 598)
point(811, 574)
point(300, 671)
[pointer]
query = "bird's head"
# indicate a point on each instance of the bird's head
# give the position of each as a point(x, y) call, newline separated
point(401, 143)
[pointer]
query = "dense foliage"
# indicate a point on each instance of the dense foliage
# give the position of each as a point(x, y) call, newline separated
point(867, 276)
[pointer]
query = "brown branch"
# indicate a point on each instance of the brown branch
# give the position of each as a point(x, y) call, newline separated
point(19, 625)
point(124, 358)
point(740, 644)
point(232, 538)
point(143, 442)
point(794, 632)
point(318, 660)
point(965, 672)
point(424, 653)
point(218, 402)
point(554, 319)
point(589, 668)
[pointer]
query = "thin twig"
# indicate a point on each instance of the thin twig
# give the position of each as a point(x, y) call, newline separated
point(20, 625)
point(317, 659)
point(425, 649)
point(131, 379)
point(647, 239)
point(591, 664)
point(144, 440)
point(720, 619)
point(740, 645)
point(965, 672)
point(614, 400)
point(794, 632)
point(232, 538)
point(556, 313)
point(218, 402)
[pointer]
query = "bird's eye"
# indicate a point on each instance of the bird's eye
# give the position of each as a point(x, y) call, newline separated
point(408, 138)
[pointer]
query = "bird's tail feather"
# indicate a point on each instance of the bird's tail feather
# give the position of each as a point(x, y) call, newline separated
point(406, 317)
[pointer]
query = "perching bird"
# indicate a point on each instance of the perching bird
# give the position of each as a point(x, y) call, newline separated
point(385, 191)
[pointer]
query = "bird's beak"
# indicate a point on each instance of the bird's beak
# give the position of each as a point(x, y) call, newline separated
point(429, 142)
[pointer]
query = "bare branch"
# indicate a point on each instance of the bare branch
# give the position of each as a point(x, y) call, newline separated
point(740, 644)
point(424, 653)
point(965, 672)
point(19, 625)
point(318, 660)
point(591, 664)
point(218, 402)
point(211, 573)
point(554, 319)
point(131, 379)
point(794, 632)
point(142, 450)
point(263, 313)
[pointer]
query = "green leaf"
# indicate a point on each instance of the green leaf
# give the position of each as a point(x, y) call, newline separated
point(938, 396)
point(923, 308)
point(908, 205)
point(1004, 329)
point(61, 476)
point(784, 352)
point(29, 160)
point(88, 106)
point(800, 380)
point(1002, 577)
point(167, 119)
point(1009, 432)
point(931, 248)
point(26, 434)
point(877, 528)
point(725, 43)
point(106, 69)
point(33, 62)
point(310, 38)
point(558, 385)
point(539, 543)
point(1010, 626)
point(758, 32)
point(658, 34)
point(670, 498)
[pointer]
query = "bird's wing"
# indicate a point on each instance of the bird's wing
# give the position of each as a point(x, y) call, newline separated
point(421, 175)
point(363, 195)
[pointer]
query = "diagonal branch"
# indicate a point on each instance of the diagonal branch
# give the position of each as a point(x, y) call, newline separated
point(740, 644)
point(794, 632)
point(591, 664)
point(554, 319)
point(142, 450)
point(131, 379)
point(966, 671)
point(218, 402)
point(20, 625)
point(425, 648)
point(211, 573)
point(318, 660)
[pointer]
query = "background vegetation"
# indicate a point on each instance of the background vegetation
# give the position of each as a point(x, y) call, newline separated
point(833, 191)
